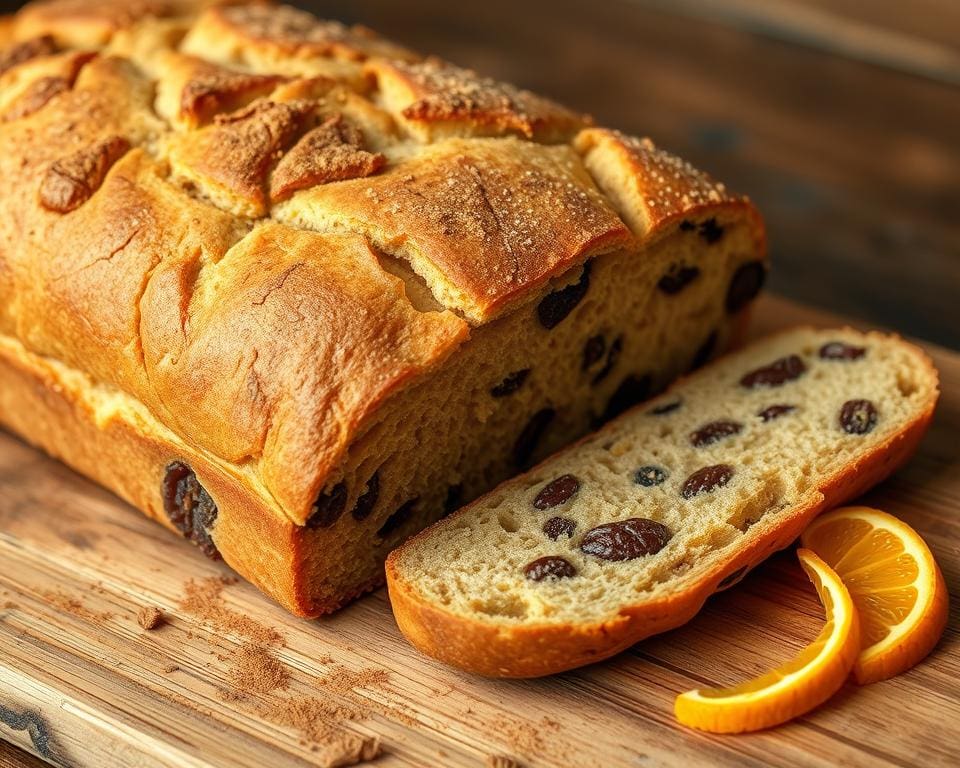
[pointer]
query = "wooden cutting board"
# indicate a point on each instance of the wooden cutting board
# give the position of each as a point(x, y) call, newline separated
point(229, 679)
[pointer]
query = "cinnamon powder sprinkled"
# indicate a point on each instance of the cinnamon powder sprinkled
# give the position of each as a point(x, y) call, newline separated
point(255, 670)
point(260, 682)
point(525, 737)
point(68, 604)
point(203, 599)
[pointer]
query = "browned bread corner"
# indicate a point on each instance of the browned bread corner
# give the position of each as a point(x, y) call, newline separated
point(294, 290)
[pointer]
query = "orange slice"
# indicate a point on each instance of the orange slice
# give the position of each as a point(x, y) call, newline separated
point(894, 581)
point(794, 688)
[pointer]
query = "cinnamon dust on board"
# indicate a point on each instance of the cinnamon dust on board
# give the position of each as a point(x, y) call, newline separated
point(254, 669)
point(69, 604)
point(260, 682)
point(204, 600)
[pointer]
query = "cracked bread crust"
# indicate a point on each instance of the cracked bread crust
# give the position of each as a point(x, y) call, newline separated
point(250, 233)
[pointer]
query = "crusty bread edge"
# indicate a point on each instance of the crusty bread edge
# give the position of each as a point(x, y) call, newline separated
point(537, 650)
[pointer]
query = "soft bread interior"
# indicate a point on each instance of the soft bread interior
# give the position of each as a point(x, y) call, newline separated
point(473, 564)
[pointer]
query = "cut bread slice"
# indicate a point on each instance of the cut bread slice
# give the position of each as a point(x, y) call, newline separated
point(626, 533)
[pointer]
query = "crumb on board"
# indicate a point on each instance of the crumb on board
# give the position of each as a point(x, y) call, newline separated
point(149, 617)
point(169, 669)
point(351, 749)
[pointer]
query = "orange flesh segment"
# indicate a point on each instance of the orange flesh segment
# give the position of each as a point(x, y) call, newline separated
point(894, 582)
point(796, 686)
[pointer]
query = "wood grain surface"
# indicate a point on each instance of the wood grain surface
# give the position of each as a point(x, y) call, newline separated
point(228, 679)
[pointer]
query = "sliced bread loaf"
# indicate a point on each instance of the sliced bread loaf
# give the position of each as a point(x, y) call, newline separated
point(626, 533)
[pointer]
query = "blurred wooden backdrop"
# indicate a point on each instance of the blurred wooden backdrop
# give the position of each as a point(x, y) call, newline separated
point(841, 118)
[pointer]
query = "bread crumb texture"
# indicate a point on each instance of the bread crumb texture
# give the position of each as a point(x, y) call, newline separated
point(149, 617)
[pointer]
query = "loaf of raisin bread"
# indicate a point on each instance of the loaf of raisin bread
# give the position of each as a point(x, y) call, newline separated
point(294, 291)
point(626, 533)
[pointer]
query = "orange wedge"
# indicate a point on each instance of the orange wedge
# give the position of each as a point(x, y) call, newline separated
point(794, 688)
point(894, 581)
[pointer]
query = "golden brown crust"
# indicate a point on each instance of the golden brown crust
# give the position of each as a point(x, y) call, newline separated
point(333, 151)
point(491, 649)
point(210, 90)
point(70, 181)
point(435, 98)
point(650, 187)
point(29, 86)
point(285, 31)
point(293, 405)
point(89, 23)
point(16, 54)
point(230, 161)
point(485, 221)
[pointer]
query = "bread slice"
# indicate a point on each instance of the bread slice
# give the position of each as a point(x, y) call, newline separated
point(626, 533)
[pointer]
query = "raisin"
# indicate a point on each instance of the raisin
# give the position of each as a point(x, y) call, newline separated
point(189, 507)
point(776, 411)
point(550, 567)
point(649, 476)
point(778, 373)
point(632, 390)
point(661, 410)
point(837, 350)
point(398, 518)
point(713, 432)
point(626, 539)
point(613, 356)
point(593, 351)
point(554, 307)
point(677, 278)
point(511, 383)
point(529, 438)
point(857, 417)
point(556, 527)
point(687, 226)
point(745, 285)
point(704, 351)
point(711, 231)
point(454, 499)
point(366, 503)
point(706, 480)
point(557, 492)
point(328, 507)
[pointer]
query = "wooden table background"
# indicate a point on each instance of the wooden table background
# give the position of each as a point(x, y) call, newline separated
point(840, 118)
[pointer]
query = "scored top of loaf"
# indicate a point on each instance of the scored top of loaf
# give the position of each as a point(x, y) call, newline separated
point(218, 208)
